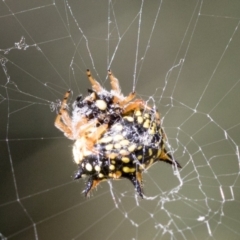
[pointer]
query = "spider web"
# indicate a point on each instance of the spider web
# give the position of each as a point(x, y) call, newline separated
point(181, 56)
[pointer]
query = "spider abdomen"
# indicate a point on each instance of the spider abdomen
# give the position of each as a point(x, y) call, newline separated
point(129, 146)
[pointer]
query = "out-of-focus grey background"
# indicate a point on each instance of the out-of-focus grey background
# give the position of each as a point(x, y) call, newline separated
point(182, 56)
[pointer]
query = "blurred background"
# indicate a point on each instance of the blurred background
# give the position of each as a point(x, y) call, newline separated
point(181, 56)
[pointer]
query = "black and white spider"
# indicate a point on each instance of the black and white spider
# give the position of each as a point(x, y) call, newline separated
point(115, 136)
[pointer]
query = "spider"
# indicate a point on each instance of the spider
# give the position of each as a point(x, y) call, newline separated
point(115, 136)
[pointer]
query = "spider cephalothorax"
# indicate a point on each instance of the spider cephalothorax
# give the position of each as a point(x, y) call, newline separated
point(115, 136)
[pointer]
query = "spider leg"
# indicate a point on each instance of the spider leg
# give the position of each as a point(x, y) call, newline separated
point(94, 136)
point(133, 105)
point(62, 127)
point(140, 104)
point(95, 84)
point(127, 99)
point(86, 141)
point(66, 118)
point(114, 82)
point(81, 126)
point(65, 124)
point(116, 88)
